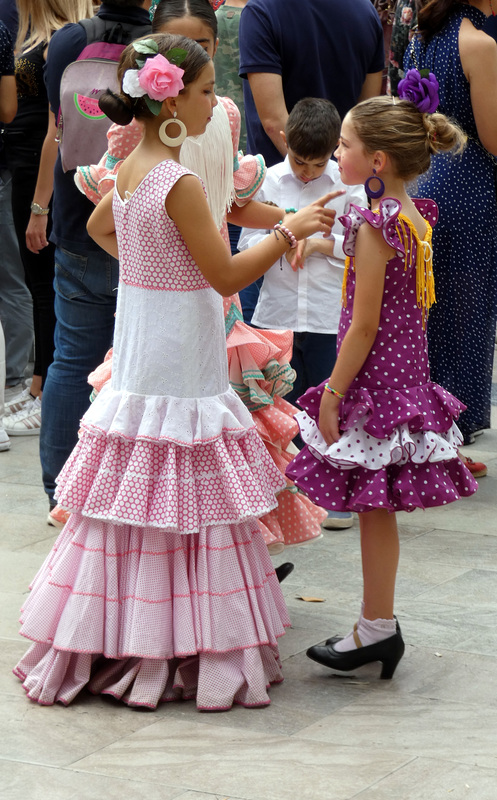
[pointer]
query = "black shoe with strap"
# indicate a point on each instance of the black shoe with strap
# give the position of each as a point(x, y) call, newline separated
point(389, 651)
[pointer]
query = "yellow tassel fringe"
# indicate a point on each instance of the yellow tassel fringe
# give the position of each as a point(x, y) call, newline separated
point(425, 283)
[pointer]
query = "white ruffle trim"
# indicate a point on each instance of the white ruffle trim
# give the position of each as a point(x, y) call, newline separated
point(180, 420)
point(356, 448)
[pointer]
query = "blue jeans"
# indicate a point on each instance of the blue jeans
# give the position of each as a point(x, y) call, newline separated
point(85, 303)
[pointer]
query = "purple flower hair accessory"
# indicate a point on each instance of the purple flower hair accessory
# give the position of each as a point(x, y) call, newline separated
point(420, 88)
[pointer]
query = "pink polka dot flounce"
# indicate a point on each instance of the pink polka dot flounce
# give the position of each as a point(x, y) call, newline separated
point(168, 486)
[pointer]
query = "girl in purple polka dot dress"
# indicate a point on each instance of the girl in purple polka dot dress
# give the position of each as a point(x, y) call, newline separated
point(160, 586)
point(380, 436)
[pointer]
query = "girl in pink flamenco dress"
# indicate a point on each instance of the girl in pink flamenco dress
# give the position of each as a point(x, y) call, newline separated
point(258, 360)
point(160, 586)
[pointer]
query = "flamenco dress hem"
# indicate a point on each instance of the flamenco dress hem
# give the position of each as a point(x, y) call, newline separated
point(151, 616)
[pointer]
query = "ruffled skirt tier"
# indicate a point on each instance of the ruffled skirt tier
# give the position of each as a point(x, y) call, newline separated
point(261, 374)
point(150, 616)
point(258, 362)
point(171, 463)
point(398, 450)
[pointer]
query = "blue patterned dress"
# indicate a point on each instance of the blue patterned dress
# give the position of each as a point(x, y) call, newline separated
point(461, 326)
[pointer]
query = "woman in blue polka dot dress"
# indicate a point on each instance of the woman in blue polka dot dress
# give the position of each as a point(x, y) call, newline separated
point(380, 435)
point(461, 330)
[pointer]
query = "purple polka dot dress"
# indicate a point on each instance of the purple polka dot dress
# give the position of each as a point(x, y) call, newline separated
point(398, 448)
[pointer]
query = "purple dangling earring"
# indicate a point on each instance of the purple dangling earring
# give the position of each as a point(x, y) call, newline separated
point(371, 193)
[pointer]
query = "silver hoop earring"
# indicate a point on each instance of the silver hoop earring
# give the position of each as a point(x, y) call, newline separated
point(171, 141)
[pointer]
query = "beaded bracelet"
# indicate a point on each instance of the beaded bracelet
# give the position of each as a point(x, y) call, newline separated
point(329, 389)
point(286, 233)
point(290, 210)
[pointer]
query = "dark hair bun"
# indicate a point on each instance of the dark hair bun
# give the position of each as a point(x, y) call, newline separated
point(115, 108)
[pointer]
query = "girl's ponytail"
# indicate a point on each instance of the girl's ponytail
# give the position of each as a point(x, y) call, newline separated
point(117, 107)
point(442, 135)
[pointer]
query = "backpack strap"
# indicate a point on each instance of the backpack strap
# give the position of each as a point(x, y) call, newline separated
point(98, 29)
point(107, 38)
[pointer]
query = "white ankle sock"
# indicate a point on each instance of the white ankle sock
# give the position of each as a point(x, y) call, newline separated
point(368, 631)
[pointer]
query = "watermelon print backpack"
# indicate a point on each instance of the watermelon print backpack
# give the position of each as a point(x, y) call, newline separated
point(82, 126)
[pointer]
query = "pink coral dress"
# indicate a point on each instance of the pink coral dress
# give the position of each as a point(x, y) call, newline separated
point(160, 586)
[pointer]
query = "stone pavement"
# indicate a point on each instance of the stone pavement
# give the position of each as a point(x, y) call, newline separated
point(428, 734)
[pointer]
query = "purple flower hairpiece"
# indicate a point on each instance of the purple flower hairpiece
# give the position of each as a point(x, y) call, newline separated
point(420, 88)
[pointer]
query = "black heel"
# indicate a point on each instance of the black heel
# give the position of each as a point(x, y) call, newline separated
point(389, 665)
point(388, 668)
point(388, 651)
point(284, 570)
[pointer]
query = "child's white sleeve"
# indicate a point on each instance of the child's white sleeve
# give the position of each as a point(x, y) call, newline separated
point(357, 196)
point(250, 236)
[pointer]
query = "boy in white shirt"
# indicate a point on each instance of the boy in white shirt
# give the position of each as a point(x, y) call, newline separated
point(305, 296)
point(303, 291)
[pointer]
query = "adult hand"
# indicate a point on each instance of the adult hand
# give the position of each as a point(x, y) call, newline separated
point(314, 217)
point(36, 233)
point(328, 417)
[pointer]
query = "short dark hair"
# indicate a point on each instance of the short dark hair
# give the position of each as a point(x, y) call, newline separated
point(168, 10)
point(312, 128)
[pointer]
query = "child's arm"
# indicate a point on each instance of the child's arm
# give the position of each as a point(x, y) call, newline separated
point(371, 256)
point(332, 247)
point(101, 226)
point(255, 215)
point(187, 206)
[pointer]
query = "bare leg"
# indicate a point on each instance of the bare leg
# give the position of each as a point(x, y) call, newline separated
point(35, 388)
point(380, 558)
point(376, 637)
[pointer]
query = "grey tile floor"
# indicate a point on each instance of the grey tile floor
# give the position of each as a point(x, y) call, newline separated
point(430, 733)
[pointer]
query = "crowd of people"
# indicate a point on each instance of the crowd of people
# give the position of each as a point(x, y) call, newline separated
point(347, 190)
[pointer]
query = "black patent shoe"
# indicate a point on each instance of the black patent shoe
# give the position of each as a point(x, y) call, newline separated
point(388, 651)
point(334, 639)
point(284, 570)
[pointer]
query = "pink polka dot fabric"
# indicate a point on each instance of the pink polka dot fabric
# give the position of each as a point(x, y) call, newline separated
point(145, 249)
point(160, 586)
point(399, 442)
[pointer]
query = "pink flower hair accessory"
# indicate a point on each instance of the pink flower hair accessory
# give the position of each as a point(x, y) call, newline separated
point(158, 77)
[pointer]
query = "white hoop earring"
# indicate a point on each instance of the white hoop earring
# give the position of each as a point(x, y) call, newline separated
point(175, 141)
